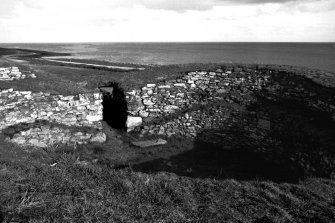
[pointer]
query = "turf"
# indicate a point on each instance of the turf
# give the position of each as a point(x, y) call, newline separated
point(57, 187)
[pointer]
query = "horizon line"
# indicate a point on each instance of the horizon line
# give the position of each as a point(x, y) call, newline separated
point(102, 42)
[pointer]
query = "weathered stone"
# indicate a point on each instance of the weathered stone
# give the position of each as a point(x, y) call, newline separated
point(180, 85)
point(37, 143)
point(151, 85)
point(93, 118)
point(221, 91)
point(148, 143)
point(143, 114)
point(164, 86)
point(264, 124)
point(19, 140)
point(170, 108)
point(99, 138)
point(133, 122)
point(148, 102)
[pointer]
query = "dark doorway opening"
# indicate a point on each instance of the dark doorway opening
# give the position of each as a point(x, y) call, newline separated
point(114, 106)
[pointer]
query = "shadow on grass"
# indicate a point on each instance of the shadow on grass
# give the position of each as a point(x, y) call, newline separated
point(233, 153)
point(233, 156)
point(282, 139)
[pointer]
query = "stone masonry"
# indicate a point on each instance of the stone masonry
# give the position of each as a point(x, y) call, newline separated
point(82, 110)
point(227, 88)
point(201, 87)
point(27, 107)
point(231, 87)
point(13, 73)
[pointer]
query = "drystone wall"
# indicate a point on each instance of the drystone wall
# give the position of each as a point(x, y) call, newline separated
point(228, 89)
point(165, 108)
point(45, 136)
point(26, 107)
point(194, 88)
point(13, 73)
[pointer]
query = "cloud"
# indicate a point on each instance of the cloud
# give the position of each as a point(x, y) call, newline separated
point(8, 6)
point(203, 5)
point(158, 20)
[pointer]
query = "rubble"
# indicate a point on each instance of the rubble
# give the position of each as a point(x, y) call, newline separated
point(231, 88)
point(46, 136)
point(82, 110)
point(13, 73)
point(149, 143)
point(28, 107)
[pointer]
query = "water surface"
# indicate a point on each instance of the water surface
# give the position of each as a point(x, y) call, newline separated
point(312, 55)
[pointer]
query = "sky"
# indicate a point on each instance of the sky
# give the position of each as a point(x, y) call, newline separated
point(167, 21)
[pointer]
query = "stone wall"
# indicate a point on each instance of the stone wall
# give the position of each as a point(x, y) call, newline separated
point(13, 73)
point(228, 88)
point(165, 108)
point(27, 107)
point(201, 87)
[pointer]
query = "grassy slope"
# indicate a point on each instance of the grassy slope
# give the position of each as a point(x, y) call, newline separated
point(33, 191)
point(70, 80)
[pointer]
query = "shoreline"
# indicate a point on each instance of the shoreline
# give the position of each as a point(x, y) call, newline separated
point(89, 65)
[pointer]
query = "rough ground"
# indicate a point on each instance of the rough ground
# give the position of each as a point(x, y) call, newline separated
point(217, 177)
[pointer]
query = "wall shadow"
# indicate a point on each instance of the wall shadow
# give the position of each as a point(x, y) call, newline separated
point(282, 139)
point(114, 106)
point(225, 154)
point(292, 150)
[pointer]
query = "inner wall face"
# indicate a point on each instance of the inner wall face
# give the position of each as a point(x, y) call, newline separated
point(114, 106)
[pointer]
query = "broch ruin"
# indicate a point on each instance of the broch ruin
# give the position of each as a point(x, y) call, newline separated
point(164, 108)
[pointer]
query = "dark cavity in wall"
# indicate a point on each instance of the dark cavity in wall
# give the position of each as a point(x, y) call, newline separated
point(114, 106)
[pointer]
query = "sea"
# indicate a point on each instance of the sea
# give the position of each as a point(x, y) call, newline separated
point(311, 55)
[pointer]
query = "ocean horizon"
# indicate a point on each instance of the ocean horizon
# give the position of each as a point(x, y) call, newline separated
point(315, 55)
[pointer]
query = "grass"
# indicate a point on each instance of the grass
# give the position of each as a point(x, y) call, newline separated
point(72, 80)
point(71, 191)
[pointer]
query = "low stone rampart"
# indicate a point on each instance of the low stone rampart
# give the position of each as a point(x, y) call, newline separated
point(27, 107)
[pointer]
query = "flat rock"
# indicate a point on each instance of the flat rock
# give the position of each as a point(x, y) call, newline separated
point(37, 143)
point(19, 140)
point(99, 138)
point(148, 143)
point(133, 122)
point(264, 124)
point(93, 118)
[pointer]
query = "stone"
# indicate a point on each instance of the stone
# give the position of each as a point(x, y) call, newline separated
point(19, 140)
point(37, 143)
point(151, 85)
point(264, 124)
point(133, 122)
point(93, 118)
point(170, 108)
point(221, 91)
point(99, 138)
point(180, 85)
point(148, 102)
point(149, 143)
point(164, 86)
point(143, 114)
